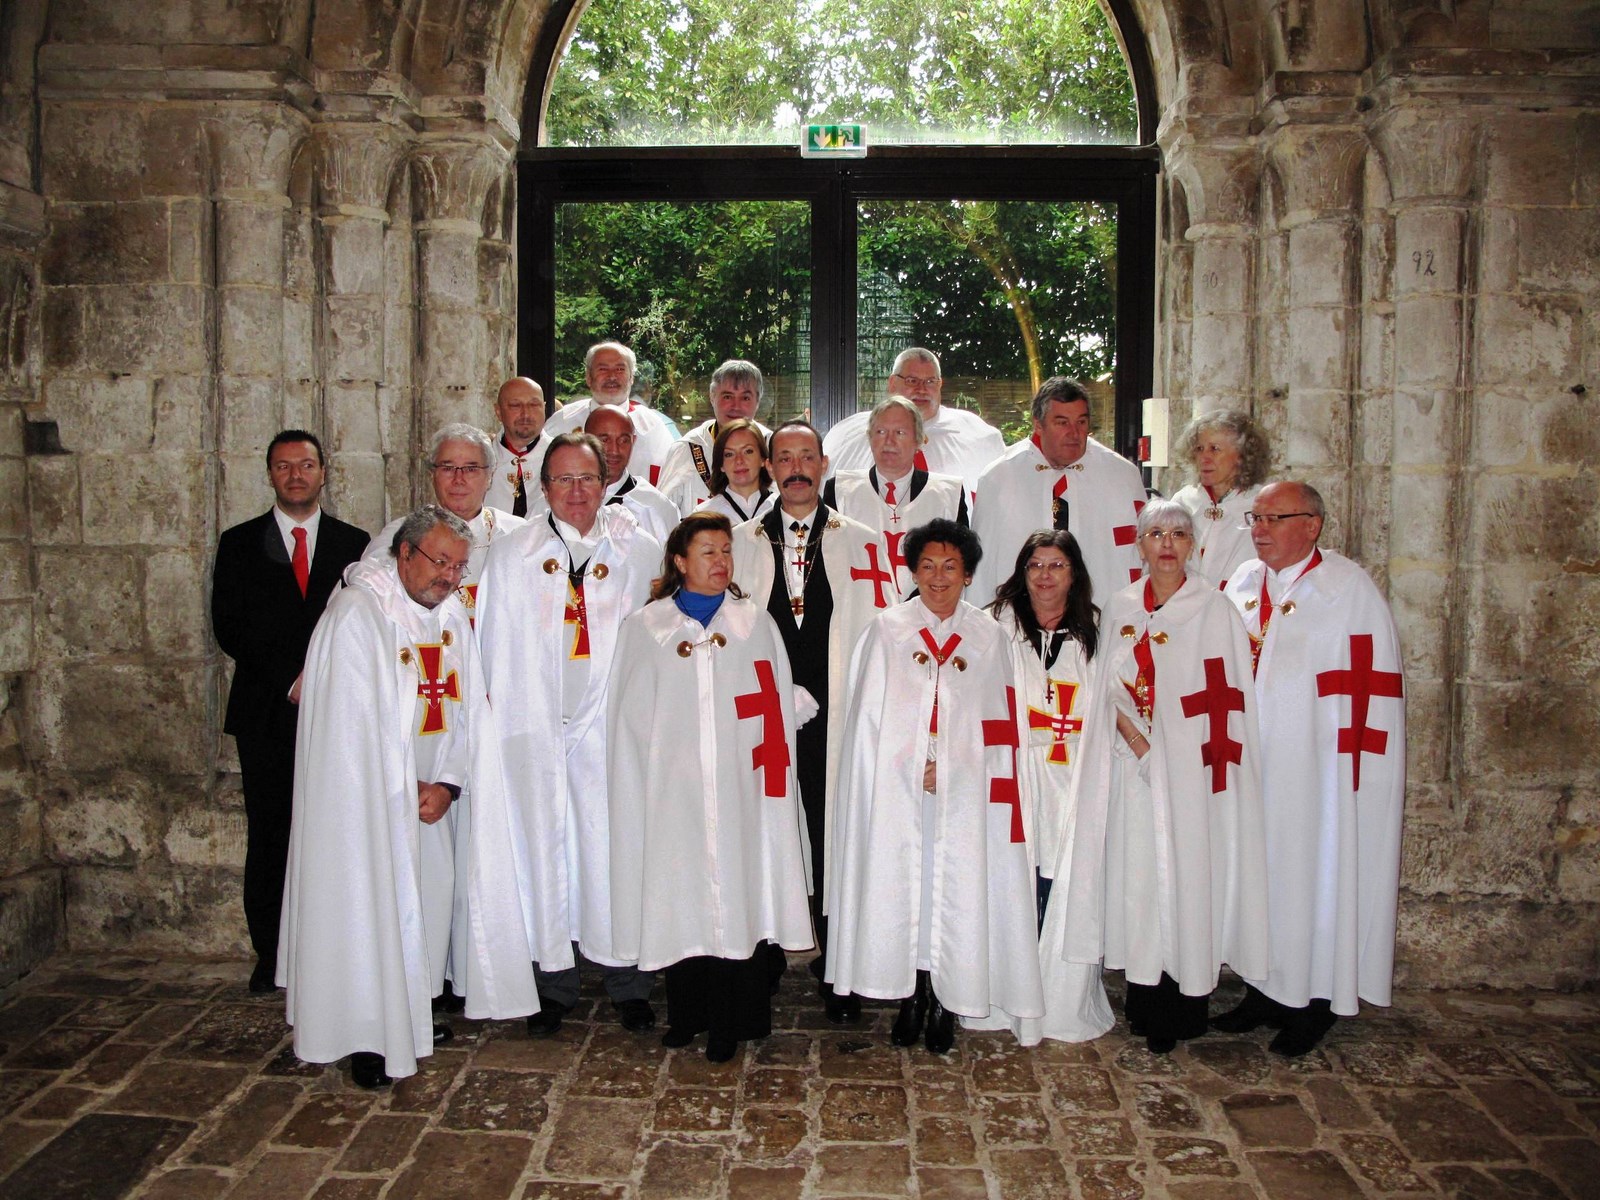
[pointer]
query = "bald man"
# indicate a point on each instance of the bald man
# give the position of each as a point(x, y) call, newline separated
point(520, 444)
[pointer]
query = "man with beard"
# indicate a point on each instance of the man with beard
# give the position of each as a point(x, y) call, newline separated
point(608, 368)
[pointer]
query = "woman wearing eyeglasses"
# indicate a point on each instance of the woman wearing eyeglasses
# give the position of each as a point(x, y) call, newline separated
point(706, 849)
point(1229, 454)
point(1046, 611)
point(1165, 876)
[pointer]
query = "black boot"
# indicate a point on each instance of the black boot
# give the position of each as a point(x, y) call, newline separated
point(913, 1012)
point(366, 1070)
point(941, 1025)
point(1254, 1011)
point(1303, 1028)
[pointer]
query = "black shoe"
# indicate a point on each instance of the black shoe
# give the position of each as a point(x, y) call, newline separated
point(720, 1049)
point(263, 979)
point(1160, 1045)
point(443, 1034)
point(366, 1070)
point(913, 1013)
point(636, 1015)
point(548, 1019)
point(450, 1001)
point(941, 1025)
point(841, 1010)
point(676, 1039)
point(1254, 1011)
point(1302, 1032)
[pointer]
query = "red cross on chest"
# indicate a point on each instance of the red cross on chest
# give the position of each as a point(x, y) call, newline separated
point(1003, 789)
point(433, 689)
point(771, 753)
point(576, 614)
point(1214, 702)
point(1061, 723)
point(1361, 683)
point(876, 574)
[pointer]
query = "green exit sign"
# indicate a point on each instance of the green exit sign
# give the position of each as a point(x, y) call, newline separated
point(834, 141)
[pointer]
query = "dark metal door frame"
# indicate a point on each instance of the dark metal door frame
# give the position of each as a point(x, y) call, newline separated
point(1124, 176)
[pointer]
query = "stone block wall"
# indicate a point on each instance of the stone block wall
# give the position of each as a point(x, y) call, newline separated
point(1379, 225)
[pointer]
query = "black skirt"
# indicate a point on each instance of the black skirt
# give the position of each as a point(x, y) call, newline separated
point(725, 997)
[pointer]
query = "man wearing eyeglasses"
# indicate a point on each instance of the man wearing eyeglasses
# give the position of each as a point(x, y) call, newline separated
point(959, 443)
point(552, 599)
point(608, 369)
point(1330, 694)
point(394, 725)
point(460, 463)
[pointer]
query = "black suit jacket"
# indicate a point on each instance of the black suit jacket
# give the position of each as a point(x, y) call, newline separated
point(261, 620)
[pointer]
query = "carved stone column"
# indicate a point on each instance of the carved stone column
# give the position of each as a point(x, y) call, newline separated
point(459, 352)
point(356, 166)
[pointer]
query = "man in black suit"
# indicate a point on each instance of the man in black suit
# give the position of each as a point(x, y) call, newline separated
point(272, 579)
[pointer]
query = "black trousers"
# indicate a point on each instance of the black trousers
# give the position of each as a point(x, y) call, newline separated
point(725, 997)
point(1162, 1011)
point(266, 764)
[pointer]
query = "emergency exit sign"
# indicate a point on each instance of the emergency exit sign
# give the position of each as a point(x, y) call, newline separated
point(834, 141)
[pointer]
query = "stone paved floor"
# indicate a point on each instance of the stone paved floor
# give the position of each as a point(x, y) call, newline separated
point(122, 1076)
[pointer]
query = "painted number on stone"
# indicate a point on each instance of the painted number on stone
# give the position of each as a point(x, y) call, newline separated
point(1422, 262)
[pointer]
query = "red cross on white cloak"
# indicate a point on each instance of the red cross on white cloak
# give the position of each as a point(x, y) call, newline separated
point(576, 614)
point(1126, 535)
point(771, 754)
point(891, 543)
point(1060, 723)
point(433, 689)
point(1003, 788)
point(1361, 683)
point(1214, 702)
point(876, 574)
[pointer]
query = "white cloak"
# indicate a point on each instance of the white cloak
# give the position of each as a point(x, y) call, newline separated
point(503, 478)
point(656, 515)
point(1167, 867)
point(489, 524)
point(353, 950)
point(846, 546)
point(681, 481)
point(707, 835)
point(1333, 852)
point(1221, 543)
point(722, 504)
point(960, 443)
point(856, 495)
point(983, 955)
point(555, 772)
point(1104, 495)
point(651, 437)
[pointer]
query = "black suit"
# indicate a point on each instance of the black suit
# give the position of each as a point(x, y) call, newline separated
point(263, 623)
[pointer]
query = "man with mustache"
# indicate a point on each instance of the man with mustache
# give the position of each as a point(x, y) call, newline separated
point(822, 577)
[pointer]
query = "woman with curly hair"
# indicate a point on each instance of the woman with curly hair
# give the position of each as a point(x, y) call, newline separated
point(1229, 454)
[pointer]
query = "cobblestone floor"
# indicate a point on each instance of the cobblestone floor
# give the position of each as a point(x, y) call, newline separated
point(123, 1076)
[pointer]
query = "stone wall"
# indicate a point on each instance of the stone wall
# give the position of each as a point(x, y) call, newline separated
point(1379, 226)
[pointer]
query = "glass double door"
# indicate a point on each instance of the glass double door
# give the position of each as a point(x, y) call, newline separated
point(824, 288)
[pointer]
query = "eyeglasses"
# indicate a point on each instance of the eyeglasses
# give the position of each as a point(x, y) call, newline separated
point(470, 470)
point(1054, 567)
point(444, 564)
point(1251, 518)
point(916, 381)
point(1168, 535)
point(568, 481)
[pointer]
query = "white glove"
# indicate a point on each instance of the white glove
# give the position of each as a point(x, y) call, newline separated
point(805, 706)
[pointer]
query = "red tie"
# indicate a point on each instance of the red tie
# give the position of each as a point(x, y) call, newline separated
point(888, 496)
point(921, 461)
point(300, 560)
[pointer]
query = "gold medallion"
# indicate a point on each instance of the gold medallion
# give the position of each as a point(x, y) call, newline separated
point(551, 566)
point(600, 571)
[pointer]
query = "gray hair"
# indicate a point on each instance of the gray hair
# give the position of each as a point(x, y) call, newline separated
point(628, 356)
point(890, 404)
point(421, 523)
point(460, 431)
point(1248, 439)
point(1164, 514)
point(739, 370)
point(917, 354)
point(1058, 389)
